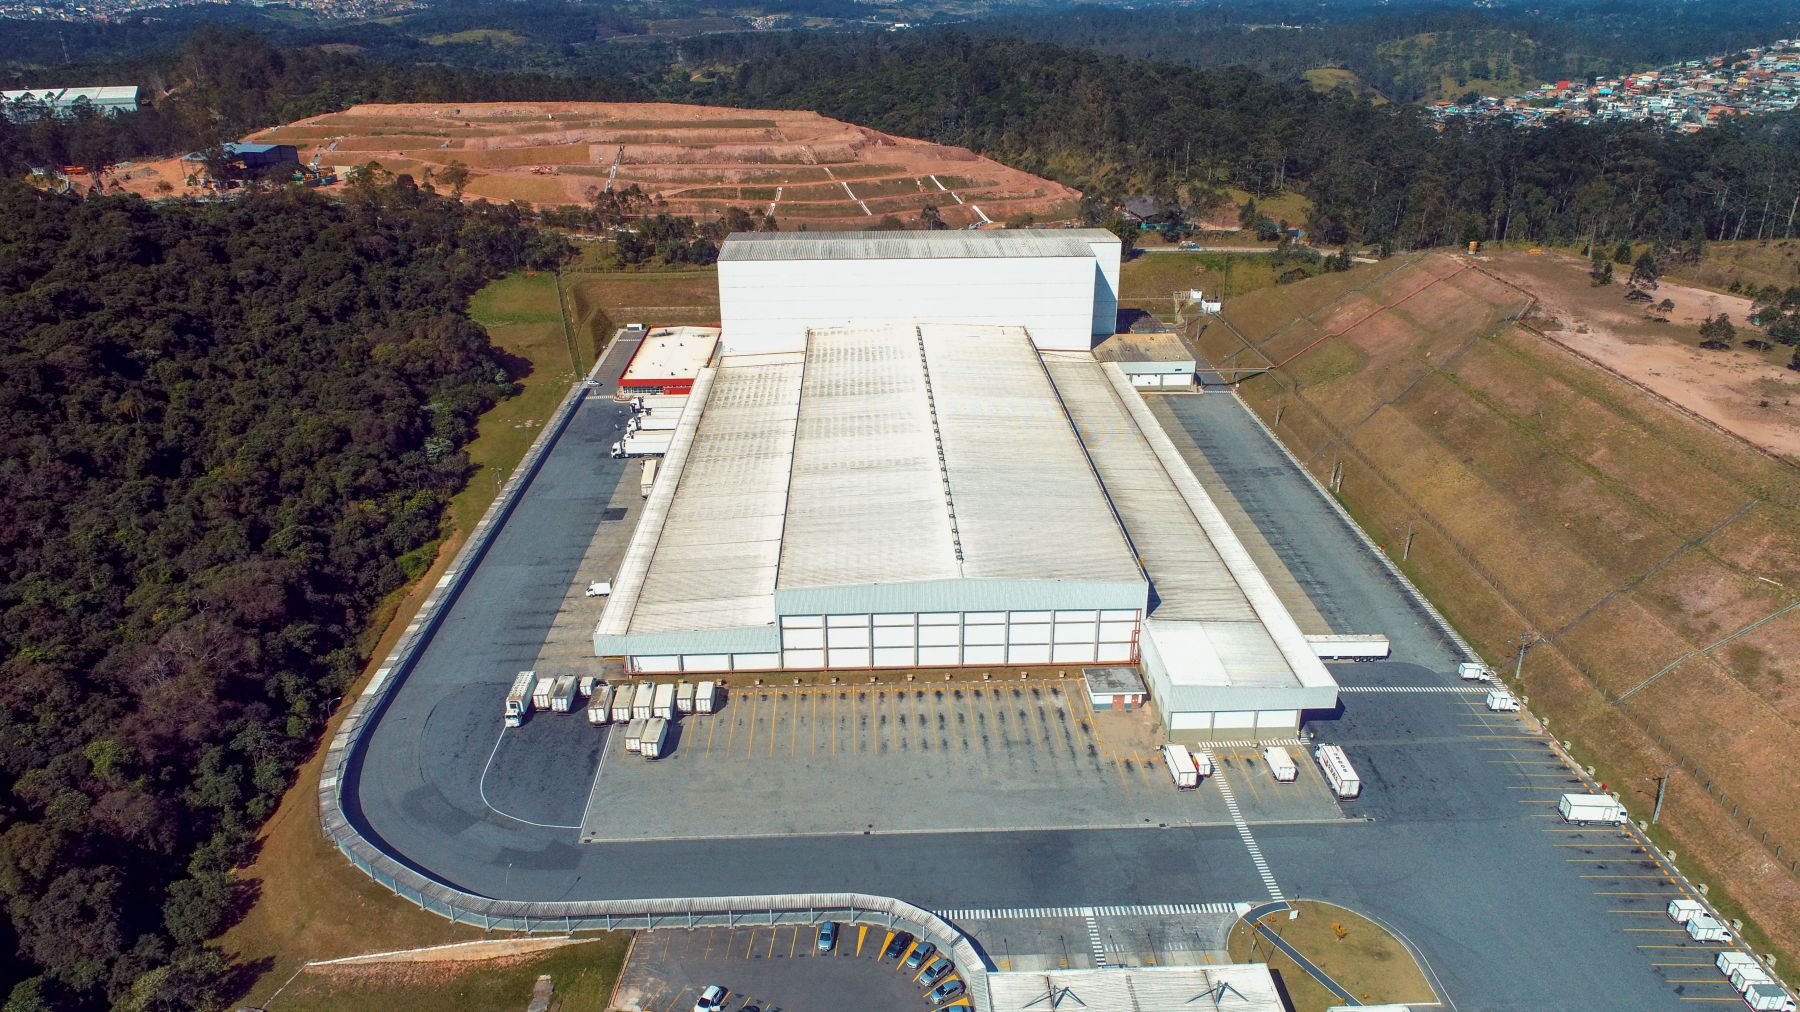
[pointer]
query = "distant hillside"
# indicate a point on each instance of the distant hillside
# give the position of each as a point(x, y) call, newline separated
point(1639, 546)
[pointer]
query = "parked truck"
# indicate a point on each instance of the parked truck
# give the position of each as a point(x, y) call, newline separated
point(634, 735)
point(1591, 809)
point(542, 691)
point(588, 684)
point(1767, 996)
point(1181, 766)
point(518, 698)
point(663, 703)
point(1281, 764)
point(1338, 771)
point(644, 702)
point(623, 695)
point(659, 404)
point(655, 738)
point(1500, 700)
point(706, 698)
point(647, 444)
point(562, 695)
point(599, 707)
point(647, 480)
point(1707, 928)
point(1473, 671)
point(652, 423)
point(684, 697)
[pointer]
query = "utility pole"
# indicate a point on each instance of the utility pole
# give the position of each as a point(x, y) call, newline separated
point(1406, 549)
point(1525, 640)
point(1662, 787)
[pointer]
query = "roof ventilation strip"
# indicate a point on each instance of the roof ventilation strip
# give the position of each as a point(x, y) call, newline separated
point(937, 434)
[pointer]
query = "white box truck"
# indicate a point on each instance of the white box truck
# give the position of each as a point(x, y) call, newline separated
point(623, 694)
point(1706, 928)
point(684, 697)
point(542, 691)
point(648, 444)
point(1502, 701)
point(655, 738)
point(1768, 996)
point(1281, 764)
point(1731, 959)
point(1181, 766)
point(1338, 771)
point(634, 735)
point(562, 695)
point(599, 707)
point(706, 697)
point(1591, 809)
point(647, 480)
point(1204, 763)
point(663, 703)
point(518, 698)
point(1746, 974)
point(1683, 910)
point(1473, 671)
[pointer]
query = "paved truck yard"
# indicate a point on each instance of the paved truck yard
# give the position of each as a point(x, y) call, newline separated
point(1454, 841)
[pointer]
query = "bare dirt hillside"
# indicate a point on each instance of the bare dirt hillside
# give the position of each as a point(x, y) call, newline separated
point(1654, 557)
point(802, 167)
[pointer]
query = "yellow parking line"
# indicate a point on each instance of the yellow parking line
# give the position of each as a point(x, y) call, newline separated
point(731, 734)
point(1660, 931)
point(921, 720)
point(775, 721)
point(1681, 964)
point(1655, 911)
point(1692, 948)
point(750, 749)
point(1628, 876)
point(885, 942)
point(834, 723)
point(1733, 998)
point(1630, 892)
point(771, 953)
point(814, 725)
point(793, 941)
point(709, 944)
point(862, 931)
point(910, 946)
point(750, 944)
point(1697, 980)
point(1634, 846)
point(994, 722)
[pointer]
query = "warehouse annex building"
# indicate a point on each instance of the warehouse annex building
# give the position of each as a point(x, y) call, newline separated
point(909, 494)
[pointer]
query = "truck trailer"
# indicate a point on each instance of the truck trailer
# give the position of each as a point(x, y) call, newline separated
point(655, 738)
point(1181, 766)
point(1281, 764)
point(652, 423)
point(644, 701)
point(542, 691)
point(663, 703)
point(1591, 809)
point(623, 694)
point(599, 707)
point(1338, 771)
point(634, 735)
point(659, 404)
point(706, 698)
point(518, 698)
point(1501, 701)
point(684, 697)
point(647, 480)
point(562, 695)
point(648, 444)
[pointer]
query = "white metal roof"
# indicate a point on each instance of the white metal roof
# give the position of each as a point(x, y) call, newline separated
point(1214, 617)
point(671, 353)
point(961, 244)
point(1241, 987)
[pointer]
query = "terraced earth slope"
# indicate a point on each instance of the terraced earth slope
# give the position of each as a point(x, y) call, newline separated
point(1651, 559)
point(804, 168)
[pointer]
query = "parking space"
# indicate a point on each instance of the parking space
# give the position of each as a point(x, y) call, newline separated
point(903, 758)
point(774, 969)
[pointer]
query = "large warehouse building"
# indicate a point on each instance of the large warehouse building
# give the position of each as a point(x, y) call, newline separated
point(1061, 285)
point(932, 495)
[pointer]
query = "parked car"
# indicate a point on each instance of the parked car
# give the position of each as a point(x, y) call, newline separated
point(920, 955)
point(936, 971)
point(711, 1000)
point(827, 936)
point(898, 946)
point(946, 991)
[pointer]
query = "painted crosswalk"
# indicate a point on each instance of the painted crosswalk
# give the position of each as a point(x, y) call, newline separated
point(1243, 828)
point(1094, 940)
point(1483, 687)
point(1133, 910)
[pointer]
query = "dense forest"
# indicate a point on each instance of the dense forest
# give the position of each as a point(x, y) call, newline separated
point(228, 431)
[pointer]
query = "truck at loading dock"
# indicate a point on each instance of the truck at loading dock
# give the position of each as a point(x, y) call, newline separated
point(647, 444)
point(634, 735)
point(518, 698)
point(1338, 771)
point(655, 738)
point(1591, 809)
point(1281, 764)
point(1182, 768)
point(652, 423)
point(684, 697)
point(662, 704)
point(705, 698)
point(542, 691)
point(599, 708)
point(562, 695)
point(643, 701)
point(623, 694)
point(647, 480)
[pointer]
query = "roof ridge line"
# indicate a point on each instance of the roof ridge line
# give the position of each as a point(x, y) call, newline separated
point(937, 436)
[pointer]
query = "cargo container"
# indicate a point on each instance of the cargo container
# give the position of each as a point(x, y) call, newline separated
point(562, 695)
point(647, 481)
point(648, 444)
point(655, 738)
point(599, 707)
point(1682, 910)
point(1706, 928)
point(634, 735)
point(623, 694)
point(643, 705)
point(588, 684)
point(663, 703)
point(1591, 809)
point(706, 698)
point(1338, 771)
point(1281, 764)
point(684, 697)
point(1768, 996)
point(1499, 700)
point(541, 693)
point(518, 698)
point(1473, 671)
point(1181, 766)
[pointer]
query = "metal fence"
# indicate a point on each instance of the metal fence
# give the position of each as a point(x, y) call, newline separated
point(343, 755)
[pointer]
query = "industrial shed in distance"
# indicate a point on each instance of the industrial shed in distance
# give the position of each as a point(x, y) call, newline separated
point(898, 494)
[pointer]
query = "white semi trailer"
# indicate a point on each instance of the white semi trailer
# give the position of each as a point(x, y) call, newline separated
point(655, 738)
point(518, 698)
point(1338, 771)
point(1281, 764)
point(542, 691)
point(562, 695)
point(652, 423)
point(634, 735)
point(684, 697)
point(621, 704)
point(706, 697)
point(647, 481)
point(1182, 768)
point(644, 701)
point(659, 404)
point(599, 708)
point(663, 703)
point(647, 444)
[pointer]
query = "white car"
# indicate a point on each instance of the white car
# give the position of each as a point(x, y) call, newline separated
point(600, 588)
point(711, 1000)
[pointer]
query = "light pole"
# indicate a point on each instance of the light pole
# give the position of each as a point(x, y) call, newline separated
point(1662, 787)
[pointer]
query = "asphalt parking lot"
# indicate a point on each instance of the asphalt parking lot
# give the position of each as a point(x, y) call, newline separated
point(944, 757)
point(774, 969)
